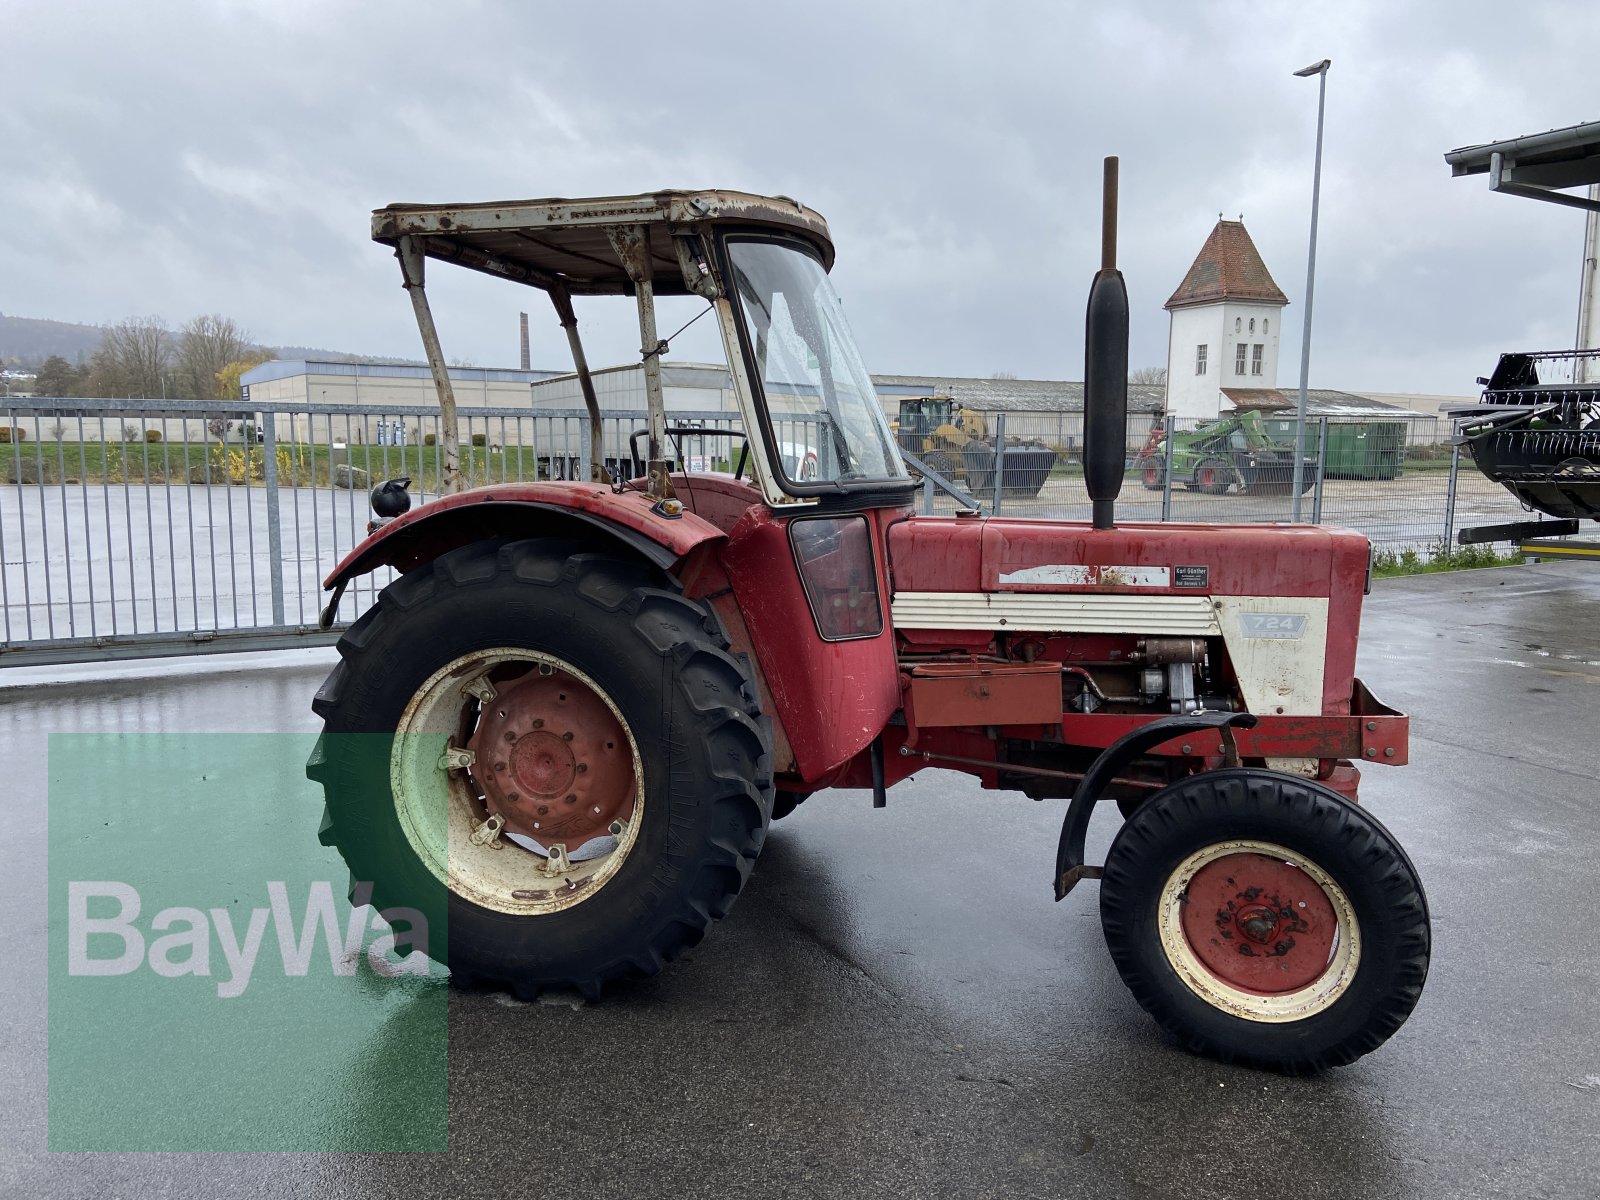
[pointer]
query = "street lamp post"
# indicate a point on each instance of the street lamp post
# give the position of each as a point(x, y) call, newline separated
point(1320, 70)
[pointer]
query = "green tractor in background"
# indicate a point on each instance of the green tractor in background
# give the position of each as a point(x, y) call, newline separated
point(1232, 453)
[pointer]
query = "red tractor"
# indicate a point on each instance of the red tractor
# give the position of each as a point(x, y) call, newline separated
point(562, 731)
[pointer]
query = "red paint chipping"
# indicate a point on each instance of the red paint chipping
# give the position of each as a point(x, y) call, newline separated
point(1259, 924)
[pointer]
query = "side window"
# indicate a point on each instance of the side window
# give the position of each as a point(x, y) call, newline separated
point(1238, 358)
point(1255, 358)
point(834, 555)
point(1200, 359)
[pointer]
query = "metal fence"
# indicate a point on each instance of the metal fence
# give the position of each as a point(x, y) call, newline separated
point(140, 528)
point(1359, 474)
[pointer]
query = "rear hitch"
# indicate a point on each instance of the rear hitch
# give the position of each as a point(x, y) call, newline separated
point(1070, 868)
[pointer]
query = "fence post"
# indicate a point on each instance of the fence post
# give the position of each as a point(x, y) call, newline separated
point(269, 473)
point(1450, 497)
point(999, 459)
point(1166, 470)
point(586, 443)
point(1322, 469)
point(927, 496)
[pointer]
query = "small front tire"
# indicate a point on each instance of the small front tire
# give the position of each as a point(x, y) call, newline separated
point(1262, 918)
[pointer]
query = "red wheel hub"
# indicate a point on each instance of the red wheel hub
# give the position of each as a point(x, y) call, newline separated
point(1259, 924)
point(553, 759)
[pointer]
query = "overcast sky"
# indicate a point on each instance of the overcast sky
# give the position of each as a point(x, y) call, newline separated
point(178, 158)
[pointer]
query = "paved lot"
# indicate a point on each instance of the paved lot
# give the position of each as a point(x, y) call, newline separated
point(897, 1008)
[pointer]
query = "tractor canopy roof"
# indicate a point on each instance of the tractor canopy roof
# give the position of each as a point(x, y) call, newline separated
point(566, 245)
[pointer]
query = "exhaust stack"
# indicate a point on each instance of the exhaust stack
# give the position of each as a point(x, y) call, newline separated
point(1105, 368)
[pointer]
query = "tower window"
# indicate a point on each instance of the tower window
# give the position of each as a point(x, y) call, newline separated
point(1255, 359)
point(1237, 324)
point(1252, 324)
point(1263, 325)
point(1200, 359)
point(1238, 358)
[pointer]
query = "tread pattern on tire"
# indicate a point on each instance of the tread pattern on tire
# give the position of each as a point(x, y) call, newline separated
point(719, 708)
point(1369, 864)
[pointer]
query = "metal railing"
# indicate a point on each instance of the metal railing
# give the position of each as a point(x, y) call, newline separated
point(140, 528)
point(1364, 475)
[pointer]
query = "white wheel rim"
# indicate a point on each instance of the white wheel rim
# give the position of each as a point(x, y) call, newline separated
point(440, 810)
point(1315, 997)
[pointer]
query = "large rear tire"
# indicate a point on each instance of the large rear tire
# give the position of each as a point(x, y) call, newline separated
point(943, 464)
point(1212, 476)
point(1262, 918)
point(550, 754)
point(1152, 472)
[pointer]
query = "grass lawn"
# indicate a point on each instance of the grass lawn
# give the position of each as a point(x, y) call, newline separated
point(234, 462)
point(1440, 557)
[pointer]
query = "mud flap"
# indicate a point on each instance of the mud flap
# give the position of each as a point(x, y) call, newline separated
point(1070, 868)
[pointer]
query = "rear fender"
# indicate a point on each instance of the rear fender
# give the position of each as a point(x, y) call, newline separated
point(626, 521)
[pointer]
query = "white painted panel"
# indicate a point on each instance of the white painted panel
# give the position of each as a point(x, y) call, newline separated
point(1279, 647)
point(1041, 612)
point(1079, 575)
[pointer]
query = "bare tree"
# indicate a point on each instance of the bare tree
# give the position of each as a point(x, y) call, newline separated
point(104, 376)
point(134, 358)
point(1002, 375)
point(1152, 376)
point(206, 346)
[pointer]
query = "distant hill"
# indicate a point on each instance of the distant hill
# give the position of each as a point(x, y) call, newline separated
point(31, 340)
point(294, 353)
point(28, 341)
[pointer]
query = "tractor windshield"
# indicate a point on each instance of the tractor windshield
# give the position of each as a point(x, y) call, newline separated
point(822, 411)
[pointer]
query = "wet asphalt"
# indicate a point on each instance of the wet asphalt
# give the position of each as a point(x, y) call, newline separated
point(896, 1006)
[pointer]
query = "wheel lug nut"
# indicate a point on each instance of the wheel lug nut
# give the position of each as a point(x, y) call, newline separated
point(500, 766)
point(513, 797)
point(511, 735)
point(571, 799)
point(538, 722)
point(582, 767)
point(544, 809)
point(567, 736)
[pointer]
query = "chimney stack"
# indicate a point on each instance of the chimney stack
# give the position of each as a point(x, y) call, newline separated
point(526, 364)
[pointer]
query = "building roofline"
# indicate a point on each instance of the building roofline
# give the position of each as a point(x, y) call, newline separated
point(288, 368)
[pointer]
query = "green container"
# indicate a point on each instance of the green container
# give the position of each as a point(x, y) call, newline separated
point(1356, 449)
